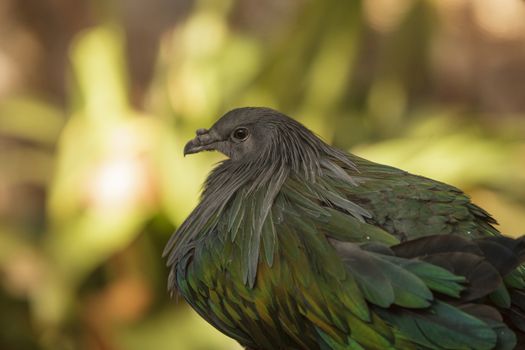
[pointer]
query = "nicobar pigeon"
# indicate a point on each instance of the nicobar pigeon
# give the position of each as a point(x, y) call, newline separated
point(298, 245)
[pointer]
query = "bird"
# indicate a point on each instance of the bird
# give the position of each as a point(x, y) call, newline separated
point(296, 244)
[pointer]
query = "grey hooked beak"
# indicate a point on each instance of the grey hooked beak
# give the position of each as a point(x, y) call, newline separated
point(204, 141)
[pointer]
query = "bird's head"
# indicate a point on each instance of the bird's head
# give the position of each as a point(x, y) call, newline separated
point(251, 133)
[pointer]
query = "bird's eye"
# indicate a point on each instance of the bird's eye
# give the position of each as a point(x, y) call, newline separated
point(240, 134)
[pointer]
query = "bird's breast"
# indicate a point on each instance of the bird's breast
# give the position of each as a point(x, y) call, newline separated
point(264, 316)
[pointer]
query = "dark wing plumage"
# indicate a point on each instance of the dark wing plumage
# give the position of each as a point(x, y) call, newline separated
point(410, 206)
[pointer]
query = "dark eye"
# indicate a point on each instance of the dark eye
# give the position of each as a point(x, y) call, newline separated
point(240, 134)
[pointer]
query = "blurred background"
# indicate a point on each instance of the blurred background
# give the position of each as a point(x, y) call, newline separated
point(98, 97)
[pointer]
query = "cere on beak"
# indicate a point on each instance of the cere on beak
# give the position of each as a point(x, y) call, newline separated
point(204, 141)
point(201, 131)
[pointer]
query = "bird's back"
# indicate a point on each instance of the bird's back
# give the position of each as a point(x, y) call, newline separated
point(410, 206)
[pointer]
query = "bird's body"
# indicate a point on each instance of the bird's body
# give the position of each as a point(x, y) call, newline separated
point(297, 245)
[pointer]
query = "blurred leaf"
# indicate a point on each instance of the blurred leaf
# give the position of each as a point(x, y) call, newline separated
point(17, 119)
point(461, 157)
point(99, 65)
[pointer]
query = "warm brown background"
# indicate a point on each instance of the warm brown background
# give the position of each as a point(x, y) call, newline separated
point(97, 99)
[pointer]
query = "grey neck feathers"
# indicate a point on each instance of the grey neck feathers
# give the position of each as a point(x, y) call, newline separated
point(295, 151)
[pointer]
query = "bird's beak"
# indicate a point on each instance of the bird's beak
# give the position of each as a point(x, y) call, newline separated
point(204, 141)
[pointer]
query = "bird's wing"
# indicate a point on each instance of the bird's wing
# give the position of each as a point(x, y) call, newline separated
point(325, 235)
point(411, 206)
